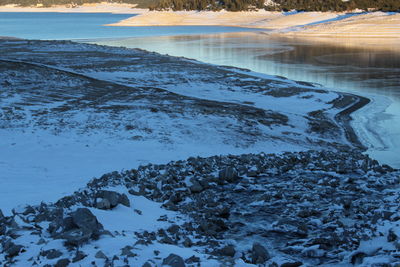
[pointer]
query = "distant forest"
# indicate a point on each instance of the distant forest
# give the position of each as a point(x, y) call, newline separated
point(278, 5)
point(233, 5)
point(75, 3)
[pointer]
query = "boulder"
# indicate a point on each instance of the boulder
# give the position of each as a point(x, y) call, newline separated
point(357, 257)
point(79, 256)
point(110, 199)
point(174, 260)
point(77, 228)
point(187, 242)
point(62, 263)
point(100, 255)
point(3, 229)
point(192, 259)
point(13, 250)
point(259, 254)
point(173, 229)
point(196, 187)
point(127, 251)
point(83, 218)
point(391, 236)
point(228, 250)
point(103, 204)
point(228, 174)
point(51, 254)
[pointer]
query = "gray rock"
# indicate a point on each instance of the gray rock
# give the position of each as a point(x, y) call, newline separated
point(391, 236)
point(28, 210)
point(146, 264)
point(62, 263)
point(114, 198)
point(136, 193)
point(228, 250)
point(1, 215)
point(115, 258)
point(78, 228)
point(124, 200)
point(173, 229)
point(228, 174)
point(167, 240)
point(357, 258)
point(3, 229)
point(187, 243)
point(51, 253)
point(126, 251)
point(192, 259)
point(259, 254)
point(224, 212)
point(174, 260)
point(76, 237)
point(103, 204)
point(13, 250)
point(79, 256)
point(252, 173)
point(84, 219)
point(196, 187)
point(100, 255)
point(41, 241)
point(291, 264)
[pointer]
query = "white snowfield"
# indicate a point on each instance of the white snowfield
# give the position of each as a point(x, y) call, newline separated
point(59, 129)
point(70, 112)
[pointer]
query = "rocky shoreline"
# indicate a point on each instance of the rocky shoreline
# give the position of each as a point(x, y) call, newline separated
point(306, 209)
point(328, 205)
point(344, 117)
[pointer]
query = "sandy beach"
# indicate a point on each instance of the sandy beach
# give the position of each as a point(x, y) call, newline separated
point(310, 24)
point(256, 19)
point(302, 24)
point(377, 30)
point(377, 24)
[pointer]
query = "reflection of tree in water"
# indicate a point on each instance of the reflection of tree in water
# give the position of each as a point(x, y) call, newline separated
point(323, 54)
point(340, 66)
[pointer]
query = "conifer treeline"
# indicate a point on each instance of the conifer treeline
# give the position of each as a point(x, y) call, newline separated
point(233, 5)
point(339, 5)
point(280, 5)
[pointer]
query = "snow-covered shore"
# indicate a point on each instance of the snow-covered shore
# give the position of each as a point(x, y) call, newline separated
point(66, 128)
point(70, 112)
point(306, 209)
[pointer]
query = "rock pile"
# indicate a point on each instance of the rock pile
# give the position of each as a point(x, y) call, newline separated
point(314, 207)
point(79, 227)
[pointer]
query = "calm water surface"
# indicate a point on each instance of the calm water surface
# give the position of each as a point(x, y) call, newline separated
point(374, 73)
point(371, 72)
point(71, 26)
